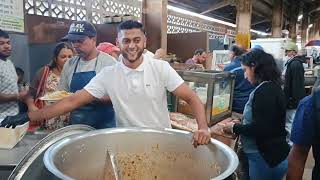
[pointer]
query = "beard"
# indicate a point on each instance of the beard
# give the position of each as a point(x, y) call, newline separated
point(131, 58)
point(4, 56)
point(81, 53)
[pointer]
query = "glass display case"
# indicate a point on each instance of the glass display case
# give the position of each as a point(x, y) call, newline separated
point(215, 90)
point(220, 57)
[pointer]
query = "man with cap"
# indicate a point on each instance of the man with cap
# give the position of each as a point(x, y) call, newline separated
point(78, 71)
point(137, 87)
point(293, 75)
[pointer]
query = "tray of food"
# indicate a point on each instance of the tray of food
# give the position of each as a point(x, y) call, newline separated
point(55, 96)
point(183, 122)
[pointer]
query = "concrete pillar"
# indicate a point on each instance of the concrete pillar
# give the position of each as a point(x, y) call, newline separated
point(293, 17)
point(304, 27)
point(154, 18)
point(244, 11)
point(277, 18)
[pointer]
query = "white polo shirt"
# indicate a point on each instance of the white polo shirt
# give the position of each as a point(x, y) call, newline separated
point(138, 95)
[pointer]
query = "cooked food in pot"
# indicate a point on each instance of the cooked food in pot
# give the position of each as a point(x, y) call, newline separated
point(151, 165)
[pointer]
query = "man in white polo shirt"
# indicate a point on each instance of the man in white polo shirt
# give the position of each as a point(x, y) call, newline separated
point(136, 86)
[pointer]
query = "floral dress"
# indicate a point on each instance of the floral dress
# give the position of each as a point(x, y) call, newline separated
point(51, 85)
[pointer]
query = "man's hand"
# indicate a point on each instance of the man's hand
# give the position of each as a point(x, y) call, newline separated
point(201, 136)
point(13, 121)
point(220, 66)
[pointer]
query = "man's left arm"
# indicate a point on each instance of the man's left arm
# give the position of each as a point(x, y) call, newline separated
point(175, 84)
point(202, 136)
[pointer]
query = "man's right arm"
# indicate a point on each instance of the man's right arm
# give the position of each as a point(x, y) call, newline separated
point(302, 136)
point(68, 104)
point(296, 161)
point(4, 98)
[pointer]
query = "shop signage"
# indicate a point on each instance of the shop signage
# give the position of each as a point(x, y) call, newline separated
point(11, 15)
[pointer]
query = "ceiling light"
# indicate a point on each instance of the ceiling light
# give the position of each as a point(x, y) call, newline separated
point(186, 12)
point(183, 11)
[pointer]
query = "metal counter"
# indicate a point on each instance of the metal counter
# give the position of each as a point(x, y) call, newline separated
point(10, 158)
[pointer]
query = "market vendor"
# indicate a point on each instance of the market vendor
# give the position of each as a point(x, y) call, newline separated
point(78, 71)
point(198, 58)
point(137, 87)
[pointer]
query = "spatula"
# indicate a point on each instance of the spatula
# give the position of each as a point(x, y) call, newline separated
point(111, 171)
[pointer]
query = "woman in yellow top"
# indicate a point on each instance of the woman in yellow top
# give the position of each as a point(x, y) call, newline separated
point(46, 81)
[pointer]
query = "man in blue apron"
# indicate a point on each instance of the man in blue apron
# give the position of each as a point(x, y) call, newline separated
point(78, 72)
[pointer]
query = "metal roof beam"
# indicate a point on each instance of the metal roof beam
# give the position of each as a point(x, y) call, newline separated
point(218, 5)
point(259, 22)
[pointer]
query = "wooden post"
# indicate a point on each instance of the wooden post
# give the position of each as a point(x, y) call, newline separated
point(277, 18)
point(154, 18)
point(294, 10)
point(244, 10)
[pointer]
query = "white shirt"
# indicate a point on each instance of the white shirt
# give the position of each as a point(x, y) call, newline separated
point(8, 85)
point(138, 95)
point(148, 53)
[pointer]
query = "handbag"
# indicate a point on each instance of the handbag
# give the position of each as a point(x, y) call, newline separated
point(38, 102)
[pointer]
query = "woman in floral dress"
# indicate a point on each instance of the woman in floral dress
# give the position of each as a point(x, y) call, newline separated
point(46, 81)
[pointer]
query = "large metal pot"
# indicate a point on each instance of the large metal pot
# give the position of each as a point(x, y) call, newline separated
point(142, 154)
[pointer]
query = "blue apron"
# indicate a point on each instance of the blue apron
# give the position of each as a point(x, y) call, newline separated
point(95, 114)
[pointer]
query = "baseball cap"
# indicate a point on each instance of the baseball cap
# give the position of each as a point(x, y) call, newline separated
point(107, 47)
point(79, 30)
point(291, 46)
point(257, 47)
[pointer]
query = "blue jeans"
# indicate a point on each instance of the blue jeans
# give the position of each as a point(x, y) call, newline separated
point(260, 170)
point(290, 113)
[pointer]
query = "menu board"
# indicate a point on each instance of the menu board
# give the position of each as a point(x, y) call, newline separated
point(11, 15)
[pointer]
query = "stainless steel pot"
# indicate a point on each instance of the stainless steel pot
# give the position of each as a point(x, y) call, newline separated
point(141, 154)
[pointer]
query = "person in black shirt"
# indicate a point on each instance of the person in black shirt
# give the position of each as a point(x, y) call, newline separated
point(262, 132)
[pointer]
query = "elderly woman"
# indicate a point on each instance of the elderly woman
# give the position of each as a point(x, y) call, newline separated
point(262, 131)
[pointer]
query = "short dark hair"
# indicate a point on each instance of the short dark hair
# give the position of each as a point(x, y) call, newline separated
point(199, 51)
point(4, 34)
point(265, 66)
point(130, 24)
point(56, 52)
point(238, 51)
